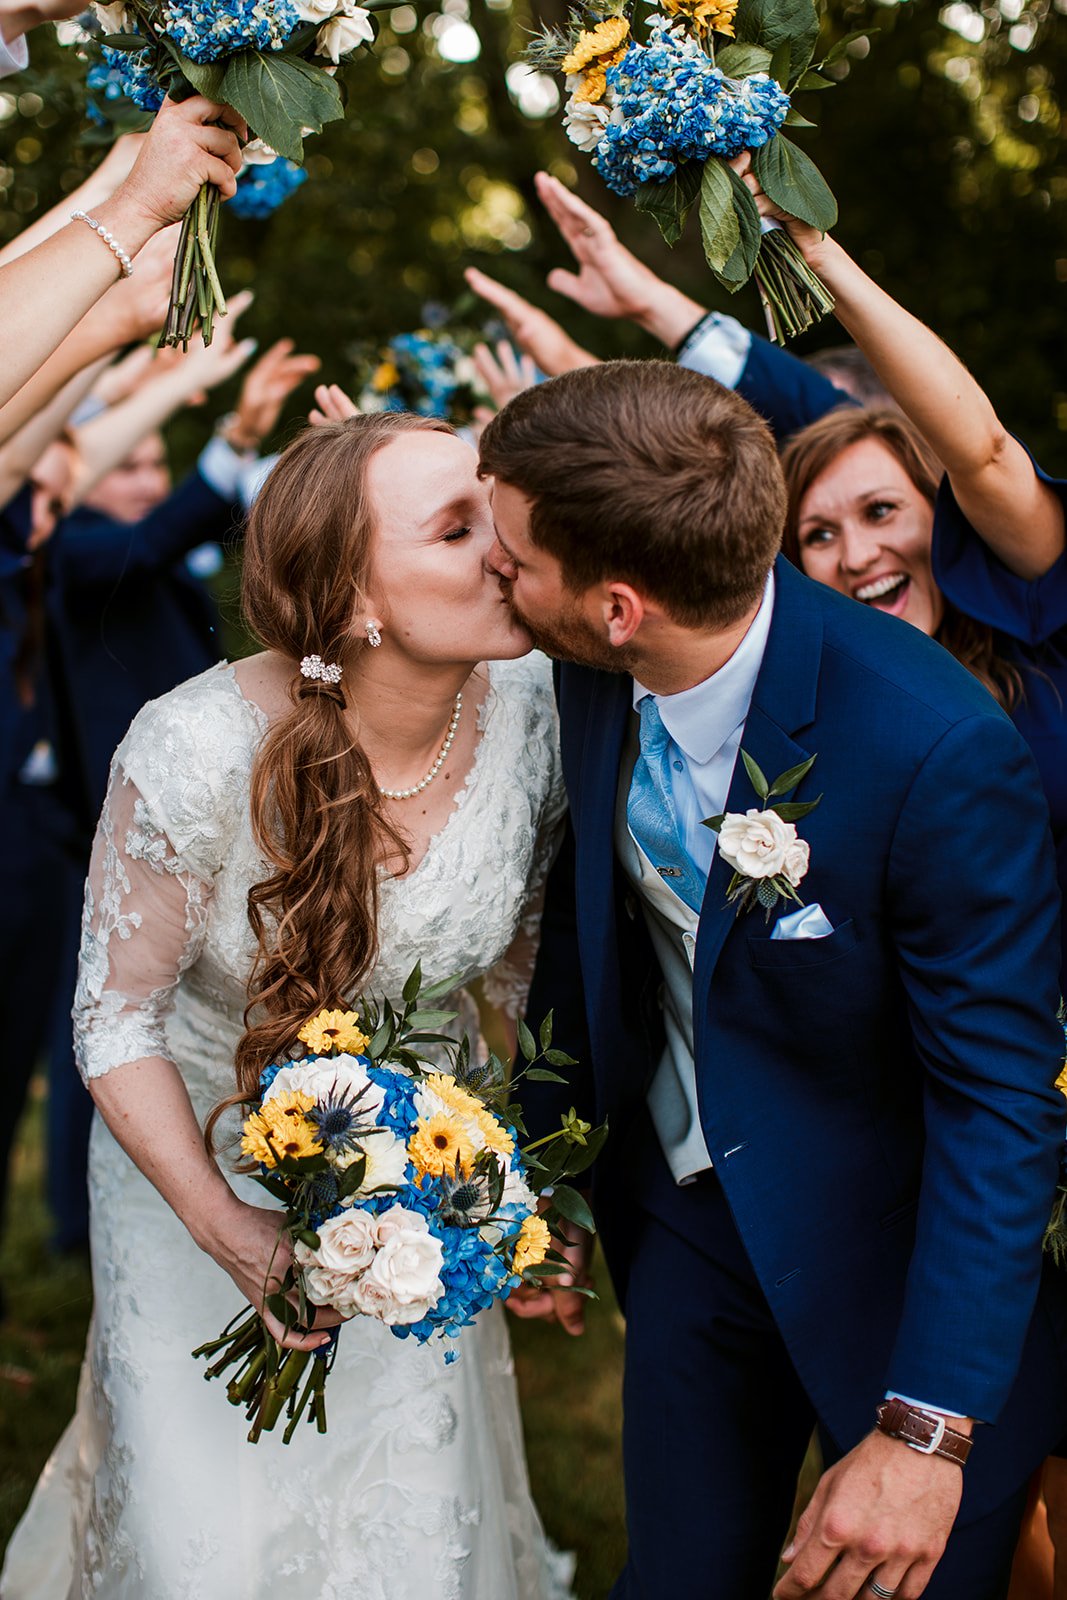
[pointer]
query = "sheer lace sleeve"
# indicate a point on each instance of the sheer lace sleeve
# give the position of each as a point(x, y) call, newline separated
point(143, 926)
point(177, 783)
point(507, 984)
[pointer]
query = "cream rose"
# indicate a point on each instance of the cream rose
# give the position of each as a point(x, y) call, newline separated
point(756, 844)
point(584, 122)
point(318, 10)
point(347, 1243)
point(403, 1281)
point(797, 857)
point(326, 1288)
point(344, 33)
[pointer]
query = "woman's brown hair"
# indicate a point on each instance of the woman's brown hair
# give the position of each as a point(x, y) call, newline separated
point(807, 456)
point(317, 814)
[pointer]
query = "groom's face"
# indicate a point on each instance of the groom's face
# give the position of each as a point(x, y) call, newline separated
point(562, 623)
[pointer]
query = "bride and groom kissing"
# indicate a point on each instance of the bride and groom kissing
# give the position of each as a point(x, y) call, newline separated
point(834, 1137)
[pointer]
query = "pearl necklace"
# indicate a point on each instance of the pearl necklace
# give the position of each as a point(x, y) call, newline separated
point(442, 755)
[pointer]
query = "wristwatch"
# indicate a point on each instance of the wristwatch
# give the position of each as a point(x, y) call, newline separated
point(926, 1431)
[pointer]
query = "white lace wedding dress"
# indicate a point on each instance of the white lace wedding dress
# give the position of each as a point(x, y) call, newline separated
point(419, 1489)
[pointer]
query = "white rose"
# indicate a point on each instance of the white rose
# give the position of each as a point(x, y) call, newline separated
point(518, 1193)
point(345, 33)
point(326, 1288)
point(317, 10)
point(585, 123)
point(387, 1159)
point(796, 861)
point(403, 1281)
point(755, 845)
point(342, 1077)
point(347, 1243)
point(113, 18)
point(257, 153)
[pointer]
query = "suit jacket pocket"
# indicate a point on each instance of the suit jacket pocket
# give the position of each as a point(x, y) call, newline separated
point(801, 955)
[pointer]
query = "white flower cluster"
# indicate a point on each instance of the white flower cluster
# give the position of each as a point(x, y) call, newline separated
point(760, 845)
point(386, 1266)
point(344, 26)
point(583, 121)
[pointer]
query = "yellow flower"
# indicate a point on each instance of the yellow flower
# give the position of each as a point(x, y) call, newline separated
point(496, 1136)
point(593, 86)
point(713, 16)
point(532, 1245)
point(1061, 1081)
point(438, 1144)
point(603, 40)
point(385, 376)
point(280, 1129)
point(465, 1104)
point(333, 1030)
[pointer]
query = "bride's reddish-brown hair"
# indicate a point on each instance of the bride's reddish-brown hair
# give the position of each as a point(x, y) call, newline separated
point(317, 814)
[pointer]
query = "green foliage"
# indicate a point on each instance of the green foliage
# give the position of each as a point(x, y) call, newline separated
point(793, 181)
point(276, 94)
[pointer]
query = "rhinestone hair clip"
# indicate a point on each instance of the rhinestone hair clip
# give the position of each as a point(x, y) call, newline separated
point(323, 671)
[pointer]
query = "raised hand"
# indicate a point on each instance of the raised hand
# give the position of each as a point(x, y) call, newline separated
point(503, 375)
point(331, 405)
point(265, 390)
point(536, 333)
point(189, 144)
point(561, 1304)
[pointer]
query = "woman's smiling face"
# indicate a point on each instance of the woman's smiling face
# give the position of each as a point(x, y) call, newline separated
point(866, 530)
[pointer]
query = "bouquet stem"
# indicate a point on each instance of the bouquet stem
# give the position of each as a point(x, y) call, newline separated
point(196, 291)
point(794, 299)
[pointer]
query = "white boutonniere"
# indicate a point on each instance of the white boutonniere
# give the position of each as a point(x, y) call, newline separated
point(769, 858)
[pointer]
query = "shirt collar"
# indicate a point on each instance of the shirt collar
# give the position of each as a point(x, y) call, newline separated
point(701, 719)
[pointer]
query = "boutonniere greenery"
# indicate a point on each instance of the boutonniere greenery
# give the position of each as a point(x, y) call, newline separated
point(769, 859)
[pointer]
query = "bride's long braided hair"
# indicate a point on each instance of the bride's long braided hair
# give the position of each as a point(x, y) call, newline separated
point(317, 815)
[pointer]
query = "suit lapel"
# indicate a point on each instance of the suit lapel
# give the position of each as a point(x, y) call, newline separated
point(610, 703)
point(783, 702)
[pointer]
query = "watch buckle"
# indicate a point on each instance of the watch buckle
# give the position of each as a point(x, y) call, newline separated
point(934, 1444)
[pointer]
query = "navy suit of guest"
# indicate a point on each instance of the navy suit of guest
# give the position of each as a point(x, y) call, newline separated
point(128, 621)
point(878, 1105)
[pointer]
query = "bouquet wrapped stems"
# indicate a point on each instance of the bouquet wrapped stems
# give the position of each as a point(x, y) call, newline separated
point(793, 297)
point(196, 291)
point(267, 1380)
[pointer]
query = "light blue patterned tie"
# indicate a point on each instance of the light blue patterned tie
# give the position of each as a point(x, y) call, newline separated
point(650, 810)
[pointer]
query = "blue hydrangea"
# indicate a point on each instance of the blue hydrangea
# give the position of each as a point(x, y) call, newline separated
point(427, 368)
point(262, 188)
point(676, 106)
point(131, 71)
point(208, 29)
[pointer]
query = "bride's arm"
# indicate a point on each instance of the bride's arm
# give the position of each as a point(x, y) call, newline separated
point(145, 917)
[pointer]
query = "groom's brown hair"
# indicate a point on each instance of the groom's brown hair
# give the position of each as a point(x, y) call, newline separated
point(647, 473)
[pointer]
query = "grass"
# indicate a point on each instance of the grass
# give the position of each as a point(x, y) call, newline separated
point(570, 1387)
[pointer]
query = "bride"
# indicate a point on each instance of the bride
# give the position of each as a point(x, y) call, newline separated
point(281, 842)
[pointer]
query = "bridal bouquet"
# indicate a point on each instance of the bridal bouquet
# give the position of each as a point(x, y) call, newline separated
point(426, 372)
point(273, 61)
point(662, 110)
point(407, 1195)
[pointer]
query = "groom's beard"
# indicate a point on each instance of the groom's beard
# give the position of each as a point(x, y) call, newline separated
point(569, 637)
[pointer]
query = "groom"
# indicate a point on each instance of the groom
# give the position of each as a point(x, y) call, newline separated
point(834, 1131)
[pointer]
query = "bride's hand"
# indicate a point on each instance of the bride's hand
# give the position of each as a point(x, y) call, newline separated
point(809, 241)
point(249, 1246)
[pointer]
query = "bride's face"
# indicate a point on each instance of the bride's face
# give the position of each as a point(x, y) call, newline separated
point(430, 582)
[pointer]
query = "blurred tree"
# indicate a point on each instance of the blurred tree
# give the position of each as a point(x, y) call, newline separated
point(943, 145)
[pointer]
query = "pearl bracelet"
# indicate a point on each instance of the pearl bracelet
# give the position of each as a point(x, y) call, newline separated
point(112, 243)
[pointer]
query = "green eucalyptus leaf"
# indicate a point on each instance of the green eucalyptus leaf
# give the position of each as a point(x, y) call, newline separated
point(789, 780)
point(742, 263)
point(570, 1204)
point(670, 202)
point(739, 60)
point(437, 991)
point(793, 810)
point(814, 79)
point(542, 1075)
point(527, 1042)
point(793, 119)
point(719, 227)
point(714, 823)
point(793, 181)
point(559, 1058)
point(433, 1020)
point(545, 1034)
point(278, 95)
point(755, 776)
point(410, 991)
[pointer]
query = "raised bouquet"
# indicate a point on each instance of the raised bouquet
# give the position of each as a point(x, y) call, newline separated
point(427, 372)
point(662, 107)
point(407, 1195)
point(273, 61)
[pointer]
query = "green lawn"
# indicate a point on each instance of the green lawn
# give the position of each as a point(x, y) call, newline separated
point(570, 1387)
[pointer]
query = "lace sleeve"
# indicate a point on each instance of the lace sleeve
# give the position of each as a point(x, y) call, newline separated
point(143, 926)
point(506, 985)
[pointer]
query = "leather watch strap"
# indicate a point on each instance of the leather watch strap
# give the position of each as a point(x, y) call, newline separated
point(923, 1430)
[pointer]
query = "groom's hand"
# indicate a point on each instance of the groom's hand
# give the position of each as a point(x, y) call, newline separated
point(560, 1304)
point(885, 1512)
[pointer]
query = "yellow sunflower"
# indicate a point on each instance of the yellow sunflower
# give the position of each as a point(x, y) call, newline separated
point(385, 376)
point(712, 16)
point(532, 1245)
point(603, 40)
point(453, 1094)
point(440, 1144)
point(280, 1128)
point(333, 1030)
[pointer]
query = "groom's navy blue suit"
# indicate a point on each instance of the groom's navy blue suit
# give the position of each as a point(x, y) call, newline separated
point(878, 1104)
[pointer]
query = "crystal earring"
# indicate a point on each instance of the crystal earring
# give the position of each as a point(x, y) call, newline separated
point(374, 633)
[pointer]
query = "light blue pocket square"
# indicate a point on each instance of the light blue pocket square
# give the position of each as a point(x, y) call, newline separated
point(810, 922)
